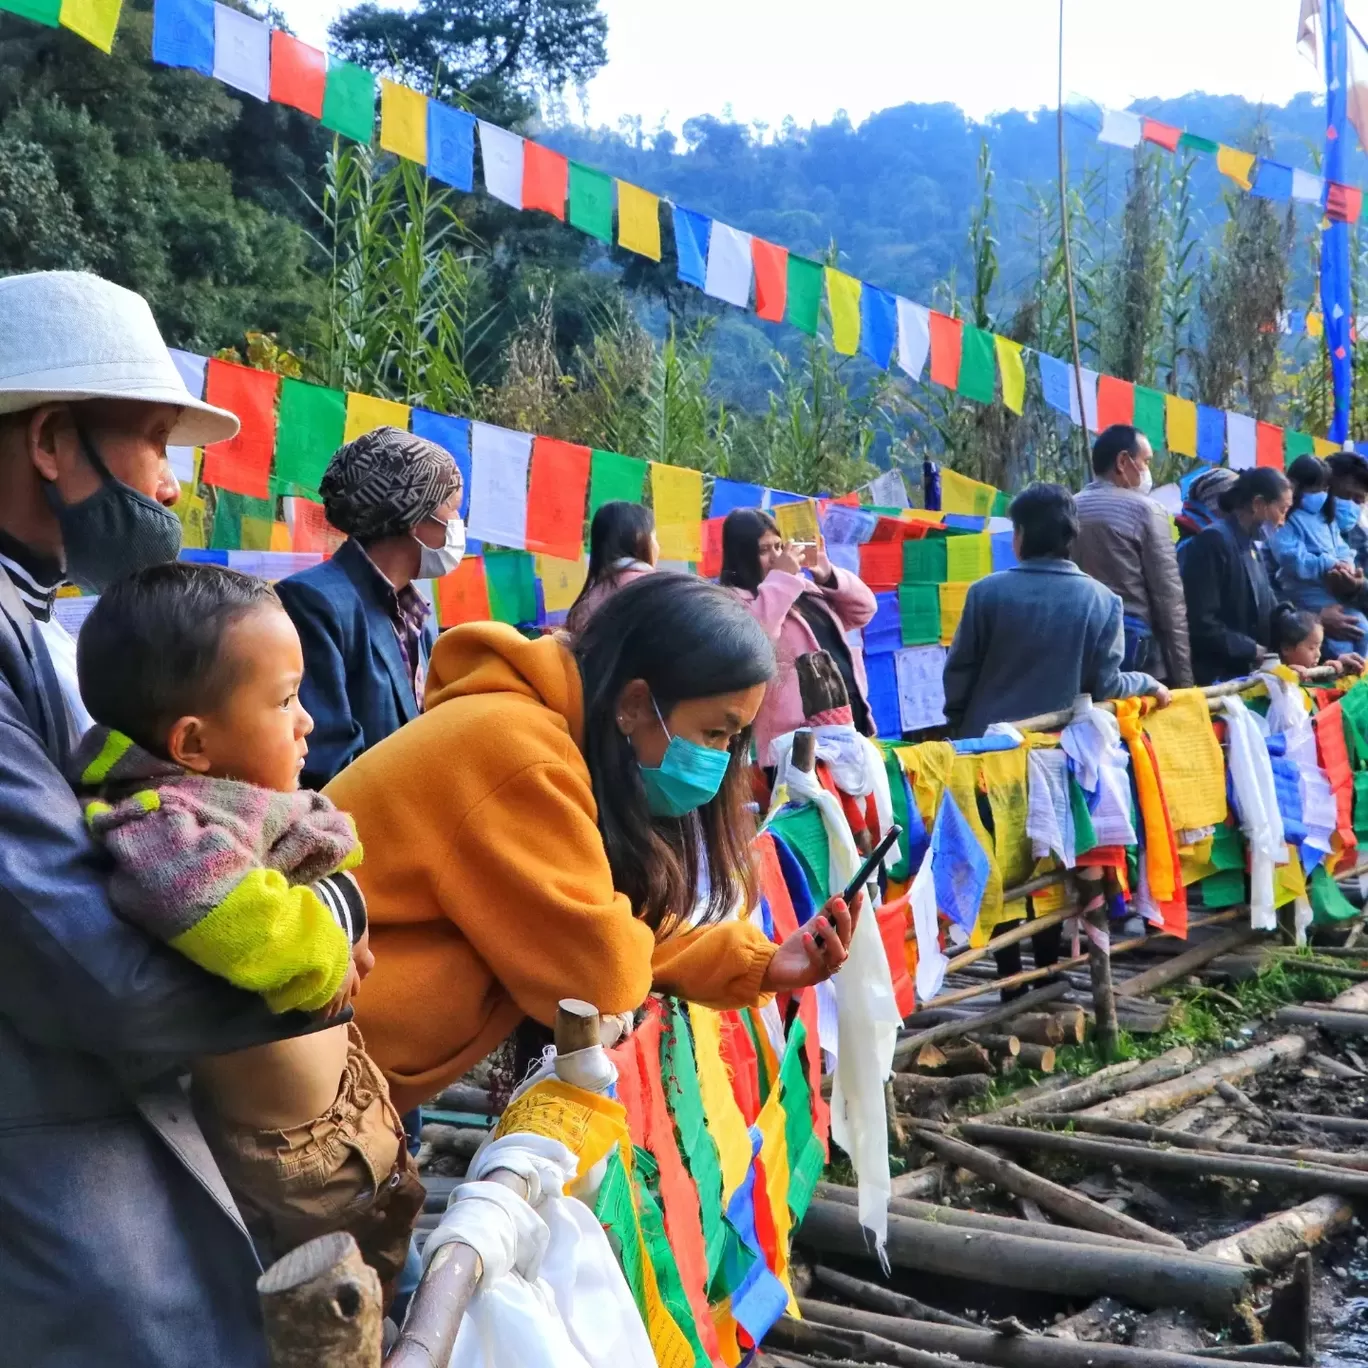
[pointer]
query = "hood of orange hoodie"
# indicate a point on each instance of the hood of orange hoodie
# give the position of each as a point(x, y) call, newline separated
point(491, 657)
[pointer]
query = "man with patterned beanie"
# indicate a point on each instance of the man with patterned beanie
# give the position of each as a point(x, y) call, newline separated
point(367, 632)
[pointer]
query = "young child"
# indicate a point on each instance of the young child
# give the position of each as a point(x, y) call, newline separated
point(1298, 635)
point(190, 782)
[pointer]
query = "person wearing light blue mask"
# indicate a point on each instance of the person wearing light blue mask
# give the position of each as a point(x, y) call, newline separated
point(1316, 567)
point(1349, 485)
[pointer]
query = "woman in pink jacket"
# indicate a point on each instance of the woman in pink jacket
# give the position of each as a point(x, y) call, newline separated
point(801, 615)
point(622, 547)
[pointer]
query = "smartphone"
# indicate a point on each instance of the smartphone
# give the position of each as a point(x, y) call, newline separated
point(876, 858)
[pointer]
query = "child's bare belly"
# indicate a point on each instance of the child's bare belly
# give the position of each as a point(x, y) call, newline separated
point(275, 1087)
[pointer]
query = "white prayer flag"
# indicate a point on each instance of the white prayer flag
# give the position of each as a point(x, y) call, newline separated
point(1241, 441)
point(914, 337)
point(181, 459)
point(498, 485)
point(1089, 399)
point(242, 52)
point(502, 154)
point(728, 274)
point(191, 369)
point(1121, 128)
point(921, 686)
point(1307, 188)
point(889, 491)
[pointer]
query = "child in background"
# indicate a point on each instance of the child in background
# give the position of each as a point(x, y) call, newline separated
point(190, 781)
point(1299, 637)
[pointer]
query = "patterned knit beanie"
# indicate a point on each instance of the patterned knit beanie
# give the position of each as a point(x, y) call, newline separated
point(386, 482)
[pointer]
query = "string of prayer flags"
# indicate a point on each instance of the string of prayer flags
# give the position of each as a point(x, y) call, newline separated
point(1241, 441)
point(242, 464)
point(1273, 181)
point(182, 33)
point(1088, 380)
point(310, 427)
point(451, 145)
point(498, 484)
point(1012, 369)
point(1115, 402)
point(591, 201)
point(803, 294)
point(501, 155)
point(914, 337)
point(1121, 128)
point(242, 52)
point(1211, 434)
point(728, 272)
point(677, 497)
point(403, 122)
point(691, 231)
point(463, 595)
point(978, 368)
point(1230, 161)
point(366, 412)
point(946, 347)
point(1148, 414)
point(349, 100)
point(614, 479)
point(710, 567)
point(770, 264)
point(1268, 445)
point(843, 299)
point(546, 176)
point(299, 73)
point(94, 20)
point(555, 500)
point(878, 324)
point(1161, 134)
point(310, 530)
point(638, 220)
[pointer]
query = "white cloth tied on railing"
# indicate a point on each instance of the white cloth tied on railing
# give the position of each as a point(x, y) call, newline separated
point(1256, 804)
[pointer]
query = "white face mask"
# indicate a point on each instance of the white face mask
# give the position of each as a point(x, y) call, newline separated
point(434, 562)
point(1146, 481)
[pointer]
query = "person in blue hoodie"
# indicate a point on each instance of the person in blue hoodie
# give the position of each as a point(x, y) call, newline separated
point(1316, 566)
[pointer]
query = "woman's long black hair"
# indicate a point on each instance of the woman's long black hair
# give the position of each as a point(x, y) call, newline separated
point(687, 639)
point(741, 532)
point(1258, 482)
point(1310, 475)
point(620, 531)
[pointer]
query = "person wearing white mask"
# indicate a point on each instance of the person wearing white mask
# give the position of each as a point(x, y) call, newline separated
point(1126, 541)
point(366, 630)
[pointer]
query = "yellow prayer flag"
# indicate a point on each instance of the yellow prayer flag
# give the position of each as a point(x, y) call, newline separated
point(1315, 325)
point(721, 1114)
point(843, 298)
point(1191, 764)
point(677, 497)
point(365, 413)
point(95, 20)
point(403, 121)
point(561, 581)
point(952, 598)
point(1325, 447)
point(1180, 417)
point(280, 537)
point(638, 220)
point(256, 534)
point(1289, 880)
point(1230, 161)
point(798, 521)
point(1013, 371)
point(772, 1123)
point(190, 509)
point(960, 494)
point(968, 558)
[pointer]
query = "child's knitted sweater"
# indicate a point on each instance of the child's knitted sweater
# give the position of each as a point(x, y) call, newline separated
point(246, 882)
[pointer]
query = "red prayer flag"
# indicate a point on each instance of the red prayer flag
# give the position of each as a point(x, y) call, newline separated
point(1343, 202)
point(1268, 449)
point(1165, 135)
point(851, 500)
point(1115, 402)
point(738, 1054)
point(555, 498)
point(310, 530)
point(463, 595)
point(771, 279)
point(243, 463)
point(893, 923)
point(1334, 759)
point(711, 565)
point(947, 338)
point(881, 565)
point(546, 179)
point(299, 73)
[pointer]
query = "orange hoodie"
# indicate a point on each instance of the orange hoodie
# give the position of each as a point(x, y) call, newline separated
point(488, 889)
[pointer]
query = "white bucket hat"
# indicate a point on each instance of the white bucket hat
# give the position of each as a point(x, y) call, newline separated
point(67, 336)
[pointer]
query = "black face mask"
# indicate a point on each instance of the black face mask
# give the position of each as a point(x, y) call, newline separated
point(113, 533)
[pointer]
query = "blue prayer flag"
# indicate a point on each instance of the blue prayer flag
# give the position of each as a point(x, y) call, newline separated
point(878, 324)
point(883, 632)
point(1210, 434)
point(881, 671)
point(844, 556)
point(1273, 181)
point(846, 526)
point(183, 34)
point(732, 494)
point(1056, 381)
point(197, 557)
point(960, 868)
point(1296, 322)
point(453, 434)
point(1004, 556)
point(782, 496)
point(964, 522)
point(451, 145)
point(761, 1298)
point(692, 232)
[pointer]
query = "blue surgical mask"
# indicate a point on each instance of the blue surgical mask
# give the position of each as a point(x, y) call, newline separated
point(689, 776)
point(1346, 514)
point(1313, 503)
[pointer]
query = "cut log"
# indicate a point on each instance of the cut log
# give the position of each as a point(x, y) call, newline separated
point(922, 1182)
point(1337, 1022)
point(1142, 1274)
point(461, 1097)
point(1073, 1021)
point(1040, 1028)
point(966, 1059)
point(930, 1058)
point(321, 1304)
point(1308, 1177)
point(1111, 1081)
point(1072, 1206)
point(914, 1090)
point(1338, 1125)
point(800, 1337)
point(875, 1298)
point(1041, 1058)
point(1180, 966)
point(1000, 1045)
point(1228, 1092)
point(1178, 1092)
point(1275, 1241)
point(1335, 1068)
point(906, 1049)
point(987, 1346)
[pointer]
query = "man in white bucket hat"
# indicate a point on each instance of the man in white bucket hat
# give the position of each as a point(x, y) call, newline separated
point(119, 1244)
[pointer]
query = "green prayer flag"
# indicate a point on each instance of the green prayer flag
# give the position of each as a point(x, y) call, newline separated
point(805, 1156)
point(1192, 142)
point(1085, 834)
point(1297, 444)
point(1227, 849)
point(803, 831)
point(919, 611)
point(591, 201)
point(512, 586)
point(40, 11)
point(804, 306)
point(229, 511)
point(615, 1211)
point(901, 869)
point(309, 430)
point(349, 101)
point(1225, 889)
point(1354, 712)
point(1327, 902)
point(1361, 806)
point(1149, 416)
point(1002, 505)
point(924, 561)
point(613, 478)
point(978, 365)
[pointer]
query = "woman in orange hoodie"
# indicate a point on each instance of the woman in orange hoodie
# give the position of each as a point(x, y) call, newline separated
point(569, 822)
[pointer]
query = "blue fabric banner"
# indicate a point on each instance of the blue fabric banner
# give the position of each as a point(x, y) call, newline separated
point(454, 435)
point(183, 34)
point(960, 866)
point(881, 670)
point(878, 324)
point(1336, 277)
point(1056, 381)
point(1273, 181)
point(451, 145)
point(728, 495)
point(1210, 434)
point(692, 232)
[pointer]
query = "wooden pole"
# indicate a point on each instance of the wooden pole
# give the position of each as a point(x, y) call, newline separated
point(1128, 1076)
point(1275, 1241)
point(1325, 1019)
point(1180, 966)
point(804, 753)
point(876, 1298)
point(1091, 891)
point(321, 1305)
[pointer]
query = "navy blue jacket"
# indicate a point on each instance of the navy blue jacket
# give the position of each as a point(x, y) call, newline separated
point(1031, 640)
point(1230, 602)
point(355, 686)
point(119, 1244)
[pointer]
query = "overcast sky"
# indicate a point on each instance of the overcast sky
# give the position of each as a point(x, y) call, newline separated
point(808, 58)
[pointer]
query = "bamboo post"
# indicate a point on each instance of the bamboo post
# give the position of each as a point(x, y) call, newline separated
point(321, 1305)
point(1090, 890)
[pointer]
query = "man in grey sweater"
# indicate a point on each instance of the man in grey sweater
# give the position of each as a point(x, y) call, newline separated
point(1126, 541)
